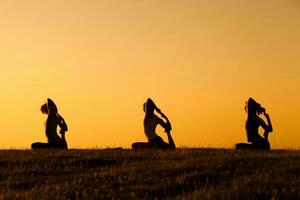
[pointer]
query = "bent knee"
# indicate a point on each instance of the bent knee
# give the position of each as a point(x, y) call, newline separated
point(38, 145)
point(141, 145)
point(34, 145)
point(134, 145)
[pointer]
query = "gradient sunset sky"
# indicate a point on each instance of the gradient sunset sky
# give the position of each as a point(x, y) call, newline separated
point(99, 60)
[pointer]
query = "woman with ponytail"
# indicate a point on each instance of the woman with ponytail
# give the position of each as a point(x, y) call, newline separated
point(53, 120)
point(151, 121)
point(253, 123)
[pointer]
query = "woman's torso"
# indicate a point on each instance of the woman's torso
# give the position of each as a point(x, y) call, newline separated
point(51, 129)
point(150, 123)
point(252, 126)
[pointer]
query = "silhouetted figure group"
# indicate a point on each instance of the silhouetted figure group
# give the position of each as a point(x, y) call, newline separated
point(151, 121)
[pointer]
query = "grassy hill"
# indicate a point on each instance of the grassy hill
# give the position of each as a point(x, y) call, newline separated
point(127, 174)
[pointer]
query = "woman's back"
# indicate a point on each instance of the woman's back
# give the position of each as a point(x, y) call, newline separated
point(252, 126)
point(51, 129)
point(150, 123)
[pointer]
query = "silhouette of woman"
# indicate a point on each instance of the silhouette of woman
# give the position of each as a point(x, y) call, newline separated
point(53, 120)
point(253, 123)
point(150, 123)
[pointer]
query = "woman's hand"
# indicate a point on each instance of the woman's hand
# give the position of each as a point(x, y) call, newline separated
point(269, 126)
point(62, 131)
point(168, 127)
point(266, 135)
point(266, 115)
point(158, 110)
point(164, 116)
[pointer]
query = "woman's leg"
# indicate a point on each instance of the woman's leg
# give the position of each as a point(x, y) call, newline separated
point(265, 145)
point(261, 143)
point(142, 145)
point(257, 143)
point(59, 145)
point(158, 143)
point(63, 144)
point(40, 145)
point(171, 141)
point(244, 146)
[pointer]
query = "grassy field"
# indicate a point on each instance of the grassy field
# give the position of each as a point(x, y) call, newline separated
point(127, 174)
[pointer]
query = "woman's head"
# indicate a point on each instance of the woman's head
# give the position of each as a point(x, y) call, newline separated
point(252, 107)
point(150, 106)
point(44, 109)
point(49, 107)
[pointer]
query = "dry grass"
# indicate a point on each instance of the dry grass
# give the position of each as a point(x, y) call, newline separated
point(127, 174)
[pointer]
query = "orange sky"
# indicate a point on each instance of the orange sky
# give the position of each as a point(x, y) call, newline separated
point(100, 59)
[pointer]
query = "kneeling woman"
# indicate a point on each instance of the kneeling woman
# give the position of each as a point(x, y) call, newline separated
point(253, 123)
point(150, 123)
point(53, 120)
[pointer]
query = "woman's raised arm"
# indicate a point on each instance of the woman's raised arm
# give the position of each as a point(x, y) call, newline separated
point(51, 106)
point(62, 124)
